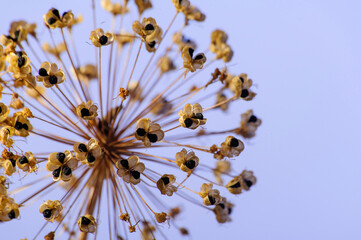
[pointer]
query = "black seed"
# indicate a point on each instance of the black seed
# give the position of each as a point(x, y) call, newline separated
point(11, 214)
point(90, 158)
point(141, 132)
point(19, 53)
point(135, 174)
point(53, 79)
point(198, 116)
point(51, 21)
point(17, 32)
point(47, 213)
point(165, 180)
point(149, 27)
point(13, 162)
point(180, 1)
point(25, 126)
point(211, 200)
point(124, 163)
point(253, 118)
point(43, 72)
point(198, 57)
point(221, 205)
point(188, 122)
point(60, 156)
point(85, 112)
point(56, 13)
point(244, 93)
point(241, 78)
point(23, 160)
point(66, 170)
point(21, 62)
point(18, 126)
point(234, 142)
point(82, 147)
point(1, 110)
point(248, 183)
point(151, 44)
point(191, 51)
point(64, 14)
point(56, 172)
point(190, 164)
point(236, 185)
point(229, 211)
point(103, 40)
point(152, 137)
point(85, 221)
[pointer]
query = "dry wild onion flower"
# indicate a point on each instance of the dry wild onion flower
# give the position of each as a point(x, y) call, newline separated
point(121, 133)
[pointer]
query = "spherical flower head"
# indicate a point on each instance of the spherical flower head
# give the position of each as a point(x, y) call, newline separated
point(100, 39)
point(9, 209)
point(87, 111)
point(27, 163)
point(19, 64)
point(51, 210)
point(192, 116)
point(231, 147)
point(61, 164)
point(186, 161)
point(148, 132)
point(192, 63)
point(50, 74)
point(53, 19)
point(88, 153)
point(87, 223)
point(164, 184)
point(130, 169)
point(210, 196)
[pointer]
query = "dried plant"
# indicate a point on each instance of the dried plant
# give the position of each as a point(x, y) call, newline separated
point(118, 134)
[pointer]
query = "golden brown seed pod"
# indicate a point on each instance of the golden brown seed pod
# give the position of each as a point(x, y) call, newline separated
point(87, 223)
point(249, 124)
point(191, 116)
point(130, 169)
point(192, 63)
point(51, 210)
point(164, 184)
point(87, 111)
point(99, 38)
point(114, 8)
point(143, 5)
point(186, 161)
point(53, 19)
point(210, 196)
point(148, 132)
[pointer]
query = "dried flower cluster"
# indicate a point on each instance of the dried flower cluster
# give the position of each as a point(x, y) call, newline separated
point(118, 133)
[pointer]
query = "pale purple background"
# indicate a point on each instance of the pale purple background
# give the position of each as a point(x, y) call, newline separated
point(305, 58)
